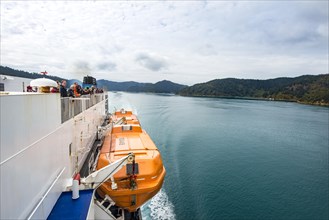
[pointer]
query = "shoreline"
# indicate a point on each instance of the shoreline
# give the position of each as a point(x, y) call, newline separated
point(323, 104)
point(235, 97)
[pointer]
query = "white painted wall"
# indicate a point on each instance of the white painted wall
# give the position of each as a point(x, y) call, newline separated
point(25, 118)
point(35, 149)
point(14, 84)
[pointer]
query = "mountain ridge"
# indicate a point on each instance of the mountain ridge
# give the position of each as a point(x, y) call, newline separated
point(307, 89)
point(164, 86)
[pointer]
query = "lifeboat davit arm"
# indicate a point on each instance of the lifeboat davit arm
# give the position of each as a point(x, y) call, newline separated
point(95, 179)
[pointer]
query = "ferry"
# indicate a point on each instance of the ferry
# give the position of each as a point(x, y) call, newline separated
point(67, 158)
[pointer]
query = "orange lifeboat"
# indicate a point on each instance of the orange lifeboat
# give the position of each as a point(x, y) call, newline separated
point(140, 180)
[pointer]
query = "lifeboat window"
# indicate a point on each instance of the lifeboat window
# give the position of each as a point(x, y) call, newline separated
point(127, 127)
point(129, 169)
point(121, 141)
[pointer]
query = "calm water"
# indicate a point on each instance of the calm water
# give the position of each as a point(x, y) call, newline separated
point(235, 159)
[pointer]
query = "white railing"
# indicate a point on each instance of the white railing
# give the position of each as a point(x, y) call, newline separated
point(71, 107)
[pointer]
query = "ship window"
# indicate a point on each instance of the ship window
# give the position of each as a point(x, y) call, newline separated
point(129, 169)
point(70, 149)
point(127, 127)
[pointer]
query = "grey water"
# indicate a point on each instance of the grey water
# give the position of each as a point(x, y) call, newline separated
point(235, 159)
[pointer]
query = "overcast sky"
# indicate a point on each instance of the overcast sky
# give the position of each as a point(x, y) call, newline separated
point(147, 41)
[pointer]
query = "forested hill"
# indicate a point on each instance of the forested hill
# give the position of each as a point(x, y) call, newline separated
point(164, 86)
point(19, 73)
point(309, 89)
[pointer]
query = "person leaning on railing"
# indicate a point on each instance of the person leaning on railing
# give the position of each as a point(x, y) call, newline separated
point(70, 92)
point(99, 90)
point(76, 90)
point(63, 89)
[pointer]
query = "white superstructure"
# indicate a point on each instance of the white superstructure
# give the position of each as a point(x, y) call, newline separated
point(44, 140)
point(13, 83)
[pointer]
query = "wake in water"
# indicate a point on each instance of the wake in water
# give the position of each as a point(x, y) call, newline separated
point(118, 102)
point(158, 208)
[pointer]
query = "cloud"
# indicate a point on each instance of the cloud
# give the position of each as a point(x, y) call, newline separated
point(82, 67)
point(207, 50)
point(190, 42)
point(110, 49)
point(108, 66)
point(15, 30)
point(151, 62)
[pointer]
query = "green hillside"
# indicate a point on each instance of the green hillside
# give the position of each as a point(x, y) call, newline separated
point(309, 89)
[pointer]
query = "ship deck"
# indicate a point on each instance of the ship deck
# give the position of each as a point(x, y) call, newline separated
point(68, 208)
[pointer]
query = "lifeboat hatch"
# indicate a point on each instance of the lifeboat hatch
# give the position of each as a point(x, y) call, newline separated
point(127, 128)
point(129, 169)
point(121, 141)
point(133, 200)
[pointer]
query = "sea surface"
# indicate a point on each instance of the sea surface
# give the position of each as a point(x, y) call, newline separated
point(235, 159)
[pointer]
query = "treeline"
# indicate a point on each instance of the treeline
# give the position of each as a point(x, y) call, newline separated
point(309, 89)
point(4, 70)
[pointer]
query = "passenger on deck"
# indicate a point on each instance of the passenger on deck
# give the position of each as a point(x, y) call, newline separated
point(63, 89)
point(99, 90)
point(70, 91)
point(92, 90)
point(86, 91)
point(54, 90)
point(79, 89)
point(76, 90)
point(29, 89)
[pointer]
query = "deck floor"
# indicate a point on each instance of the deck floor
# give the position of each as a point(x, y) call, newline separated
point(68, 208)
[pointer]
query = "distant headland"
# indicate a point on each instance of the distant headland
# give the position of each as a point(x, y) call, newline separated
point(307, 89)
